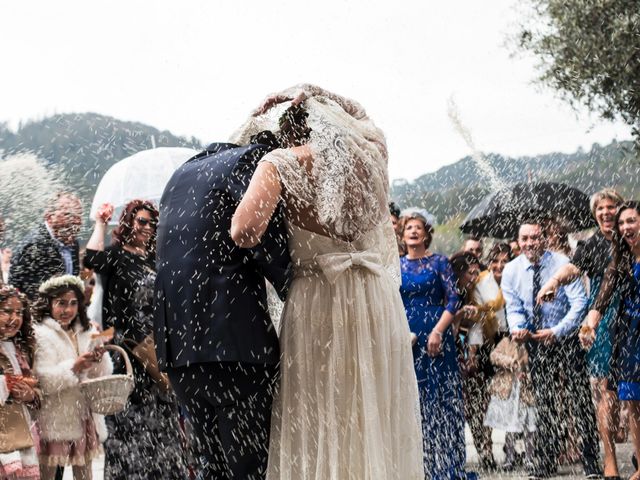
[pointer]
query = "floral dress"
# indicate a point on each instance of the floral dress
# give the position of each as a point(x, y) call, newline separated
point(428, 288)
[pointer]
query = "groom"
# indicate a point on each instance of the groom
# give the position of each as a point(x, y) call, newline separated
point(213, 332)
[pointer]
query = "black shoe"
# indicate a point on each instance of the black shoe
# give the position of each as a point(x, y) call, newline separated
point(488, 465)
point(616, 477)
point(593, 476)
point(508, 466)
point(634, 461)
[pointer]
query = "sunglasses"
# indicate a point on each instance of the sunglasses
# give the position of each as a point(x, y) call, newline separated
point(145, 221)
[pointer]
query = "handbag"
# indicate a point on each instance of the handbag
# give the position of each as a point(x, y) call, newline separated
point(145, 353)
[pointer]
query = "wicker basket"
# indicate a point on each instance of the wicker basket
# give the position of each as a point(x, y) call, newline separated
point(108, 395)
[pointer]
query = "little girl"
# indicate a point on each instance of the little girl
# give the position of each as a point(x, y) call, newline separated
point(69, 433)
point(18, 388)
point(511, 408)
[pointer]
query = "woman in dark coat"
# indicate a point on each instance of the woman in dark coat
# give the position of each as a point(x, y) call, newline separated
point(145, 440)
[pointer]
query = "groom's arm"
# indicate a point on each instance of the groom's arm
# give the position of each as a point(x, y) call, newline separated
point(271, 255)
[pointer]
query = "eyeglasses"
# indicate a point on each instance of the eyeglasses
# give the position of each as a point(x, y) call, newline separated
point(146, 221)
point(8, 312)
point(65, 303)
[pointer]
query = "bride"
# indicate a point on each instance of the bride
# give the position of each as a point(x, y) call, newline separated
point(347, 407)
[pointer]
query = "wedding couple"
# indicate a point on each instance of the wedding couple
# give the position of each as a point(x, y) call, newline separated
point(314, 221)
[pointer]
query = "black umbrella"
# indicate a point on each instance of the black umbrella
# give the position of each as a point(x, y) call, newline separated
point(499, 214)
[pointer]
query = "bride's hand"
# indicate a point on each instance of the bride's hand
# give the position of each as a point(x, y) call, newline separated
point(278, 98)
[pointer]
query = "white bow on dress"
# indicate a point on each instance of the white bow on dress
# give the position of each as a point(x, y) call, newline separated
point(334, 264)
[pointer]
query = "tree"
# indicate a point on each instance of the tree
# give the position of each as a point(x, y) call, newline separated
point(589, 50)
point(26, 185)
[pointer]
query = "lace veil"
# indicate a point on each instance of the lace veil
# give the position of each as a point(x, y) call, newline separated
point(348, 182)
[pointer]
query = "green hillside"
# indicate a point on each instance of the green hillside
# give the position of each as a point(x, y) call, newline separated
point(80, 148)
point(453, 190)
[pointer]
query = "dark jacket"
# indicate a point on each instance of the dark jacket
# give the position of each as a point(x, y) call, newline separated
point(37, 260)
point(210, 295)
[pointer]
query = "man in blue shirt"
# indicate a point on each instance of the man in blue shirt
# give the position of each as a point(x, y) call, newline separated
point(557, 363)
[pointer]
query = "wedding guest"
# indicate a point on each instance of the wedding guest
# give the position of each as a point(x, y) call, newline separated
point(511, 407)
point(623, 276)
point(473, 245)
point(515, 248)
point(52, 249)
point(145, 440)
point(477, 370)
point(394, 213)
point(64, 356)
point(396, 221)
point(431, 301)
point(591, 258)
point(550, 333)
point(497, 258)
point(5, 264)
point(19, 392)
point(556, 234)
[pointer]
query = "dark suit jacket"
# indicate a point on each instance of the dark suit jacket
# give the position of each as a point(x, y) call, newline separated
point(37, 260)
point(210, 295)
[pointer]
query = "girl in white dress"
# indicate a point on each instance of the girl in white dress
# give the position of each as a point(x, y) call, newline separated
point(347, 407)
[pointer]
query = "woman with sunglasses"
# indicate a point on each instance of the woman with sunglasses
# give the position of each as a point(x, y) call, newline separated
point(150, 423)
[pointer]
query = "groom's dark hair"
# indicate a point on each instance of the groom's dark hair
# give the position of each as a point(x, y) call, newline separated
point(293, 126)
point(266, 137)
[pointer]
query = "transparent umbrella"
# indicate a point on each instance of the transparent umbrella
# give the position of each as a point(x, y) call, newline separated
point(142, 175)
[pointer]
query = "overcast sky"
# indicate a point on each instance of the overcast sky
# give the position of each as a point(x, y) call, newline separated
point(198, 68)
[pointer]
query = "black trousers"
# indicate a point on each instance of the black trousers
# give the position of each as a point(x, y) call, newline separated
point(559, 371)
point(229, 406)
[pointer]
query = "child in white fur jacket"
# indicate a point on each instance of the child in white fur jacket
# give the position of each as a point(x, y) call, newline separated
point(65, 355)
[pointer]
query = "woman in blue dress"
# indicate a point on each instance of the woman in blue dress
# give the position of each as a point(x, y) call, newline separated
point(430, 299)
point(623, 274)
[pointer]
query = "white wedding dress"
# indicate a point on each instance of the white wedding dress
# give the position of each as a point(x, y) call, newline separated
point(347, 407)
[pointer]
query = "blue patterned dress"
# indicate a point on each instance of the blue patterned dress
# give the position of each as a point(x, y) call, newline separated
point(628, 359)
point(428, 288)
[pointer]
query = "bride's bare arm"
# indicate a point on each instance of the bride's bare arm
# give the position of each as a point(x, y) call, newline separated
point(252, 216)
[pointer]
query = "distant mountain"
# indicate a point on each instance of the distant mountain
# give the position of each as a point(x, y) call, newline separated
point(453, 190)
point(83, 146)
